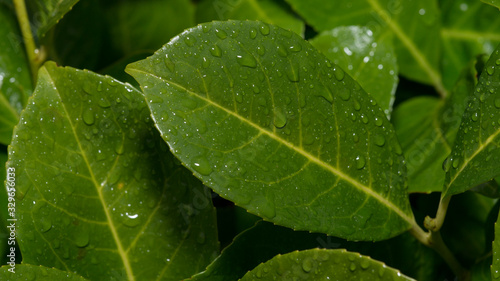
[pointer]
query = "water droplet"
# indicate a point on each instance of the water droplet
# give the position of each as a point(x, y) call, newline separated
point(202, 166)
point(205, 63)
point(339, 73)
point(292, 73)
point(357, 106)
point(261, 50)
point(497, 62)
point(352, 267)
point(355, 137)
point(104, 103)
point(253, 33)
point(455, 162)
point(379, 121)
point(46, 225)
point(131, 220)
point(246, 60)
point(497, 103)
point(82, 238)
point(279, 118)
point(490, 69)
point(216, 51)
point(169, 63)
point(255, 89)
point(307, 265)
point(88, 117)
point(345, 93)
point(220, 33)
point(295, 47)
point(281, 50)
point(190, 40)
point(474, 116)
point(379, 140)
point(360, 162)
point(264, 29)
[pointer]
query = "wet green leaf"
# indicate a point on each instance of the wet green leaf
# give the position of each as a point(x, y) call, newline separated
point(494, 3)
point(3, 209)
point(270, 11)
point(427, 127)
point(367, 57)
point(476, 152)
point(269, 123)
point(414, 24)
point(495, 266)
point(15, 81)
point(146, 25)
point(45, 14)
point(320, 264)
point(27, 272)
point(469, 28)
point(97, 186)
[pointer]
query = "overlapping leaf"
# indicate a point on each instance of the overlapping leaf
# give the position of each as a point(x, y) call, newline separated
point(414, 24)
point(269, 123)
point(15, 81)
point(45, 14)
point(476, 152)
point(98, 193)
point(426, 127)
point(495, 266)
point(26, 272)
point(367, 57)
point(469, 28)
point(320, 264)
point(271, 11)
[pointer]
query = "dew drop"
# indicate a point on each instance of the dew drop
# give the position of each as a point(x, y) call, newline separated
point(292, 73)
point(339, 73)
point(357, 106)
point(190, 40)
point(378, 121)
point(131, 220)
point(352, 267)
point(365, 264)
point(202, 166)
point(88, 117)
point(281, 50)
point(474, 116)
point(379, 140)
point(216, 51)
point(345, 94)
point(46, 225)
point(497, 62)
point(307, 265)
point(220, 33)
point(490, 69)
point(255, 89)
point(169, 63)
point(295, 47)
point(360, 162)
point(264, 29)
point(261, 50)
point(205, 63)
point(104, 103)
point(82, 238)
point(279, 118)
point(455, 162)
point(497, 103)
point(253, 33)
point(246, 60)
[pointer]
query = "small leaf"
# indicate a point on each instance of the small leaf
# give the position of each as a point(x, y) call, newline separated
point(426, 127)
point(476, 152)
point(414, 24)
point(463, 39)
point(27, 272)
point(15, 81)
point(272, 125)
point(320, 264)
point(269, 11)
point(367, 57)
point(45, 14)
point(97, 191)
point(137, 26)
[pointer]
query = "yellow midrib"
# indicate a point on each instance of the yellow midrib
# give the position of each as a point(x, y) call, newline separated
point(114, 232)
point(304, 153)
point(433, 75)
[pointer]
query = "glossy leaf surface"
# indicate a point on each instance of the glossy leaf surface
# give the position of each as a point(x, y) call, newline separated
point(494, 3)
point(427, 127)
point(476, 152)
point(318, 264)
point(269, 123)
point(414, 24)
point(470, 28)
point(27, 272)
point(4, 235)
point(269, 11)
point(367, 57)
point(495, 266)
point(15, 81)
point(97, 186)
point(45, 14)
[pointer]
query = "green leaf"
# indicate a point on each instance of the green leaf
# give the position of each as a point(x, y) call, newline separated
point(319, 264)
point(495, 266)
point(367, 57)
point(476, 152)
point(15, 81)
point(469, 28)
point(4, 234)
point(494, 3)
point(490, 188)
point(270, 11)
point(45, 14)
point(97, 186)
point(27, 272)
point(146, 25)
point(270, 124)
point(427, 127)
point(414, 24)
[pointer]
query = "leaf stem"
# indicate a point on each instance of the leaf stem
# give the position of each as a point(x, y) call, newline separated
point(29, 42)
point(436, 223)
